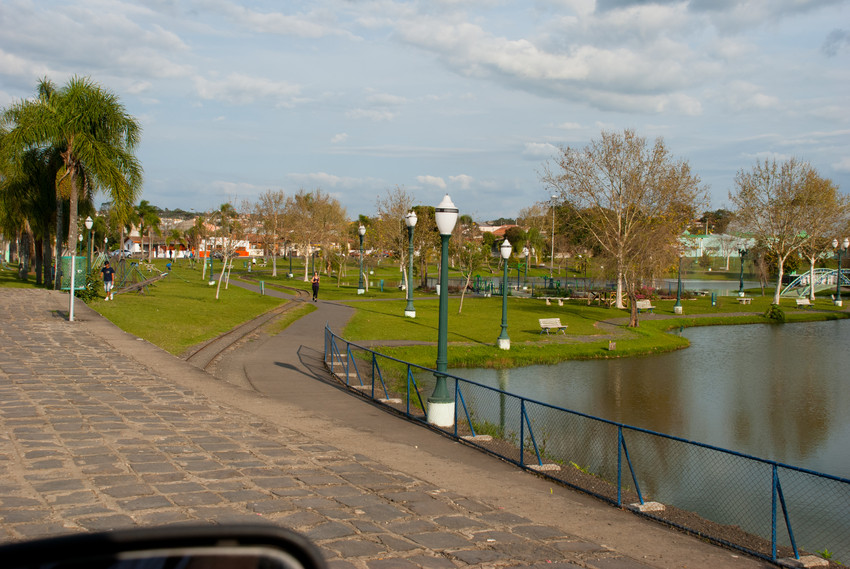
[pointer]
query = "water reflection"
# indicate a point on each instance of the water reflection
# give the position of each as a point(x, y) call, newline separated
point(776, 392)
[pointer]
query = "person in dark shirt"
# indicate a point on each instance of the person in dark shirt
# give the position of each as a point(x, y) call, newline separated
point(315, 282)
point(108, 274)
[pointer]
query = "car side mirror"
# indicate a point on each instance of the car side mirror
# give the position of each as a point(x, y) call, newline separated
point(189, 547)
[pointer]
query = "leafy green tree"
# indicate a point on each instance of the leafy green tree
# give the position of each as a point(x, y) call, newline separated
point(94, 134)
point(28, 204)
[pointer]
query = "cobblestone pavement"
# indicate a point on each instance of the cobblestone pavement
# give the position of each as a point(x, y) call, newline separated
point(93, 439)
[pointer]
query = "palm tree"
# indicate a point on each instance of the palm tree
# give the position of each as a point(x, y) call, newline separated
point(150, 223)
point(27, 204)
point(94, 134)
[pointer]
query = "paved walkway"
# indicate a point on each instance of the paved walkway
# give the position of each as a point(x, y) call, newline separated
point(101, 430)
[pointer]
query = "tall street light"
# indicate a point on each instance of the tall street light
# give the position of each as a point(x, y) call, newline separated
point(677, 308)
point(742, 253)
point(525, 254)
point(441, 405)
point(504, 340)
point(552, 263)
point(89, 224)
point(360, 289)
point(410, 221)
point(844, 245)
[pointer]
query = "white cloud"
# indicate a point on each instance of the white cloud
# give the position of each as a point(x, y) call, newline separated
point(746, 96)
point(463, 181)
point(539, 150)
point(371, 114)
point(237, 88)
point(313, 25)
point(339, 138)
point(432, 181)
point(325, 180)
point(842, 165)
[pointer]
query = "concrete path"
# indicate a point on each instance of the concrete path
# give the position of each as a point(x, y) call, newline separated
point(101, 430)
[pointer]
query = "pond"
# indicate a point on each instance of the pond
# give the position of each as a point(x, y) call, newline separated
point(778, 392)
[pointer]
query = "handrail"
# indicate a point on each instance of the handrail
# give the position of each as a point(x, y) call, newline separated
point(526, 431)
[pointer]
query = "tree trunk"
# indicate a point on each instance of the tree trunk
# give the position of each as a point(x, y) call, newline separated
point(633, 313)
point(39, 260)
point(463, 292)
point(812, 278)
point(57, 275)
point(619, 303)
point(779, 281)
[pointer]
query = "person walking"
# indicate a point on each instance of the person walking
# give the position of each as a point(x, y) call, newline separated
point(108, 274)
point(315, 282)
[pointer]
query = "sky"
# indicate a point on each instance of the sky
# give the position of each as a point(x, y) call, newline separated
point(470, 98)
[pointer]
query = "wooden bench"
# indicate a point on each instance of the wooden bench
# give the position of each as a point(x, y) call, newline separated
point(644, 305)
point(547, 324)
point(744, 300)
point(803, 303)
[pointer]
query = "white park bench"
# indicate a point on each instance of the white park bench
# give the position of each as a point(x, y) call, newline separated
point(744, 300)
point(803, 303)
point(547, 324)
point(644, 305)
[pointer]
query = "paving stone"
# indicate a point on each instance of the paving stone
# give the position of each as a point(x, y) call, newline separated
point(196, 499)
point(431, 562)
point(394, 563)
point(145, 503)
point(348, 548)
point(330, 530)
point(619, 563)
point(439, 540)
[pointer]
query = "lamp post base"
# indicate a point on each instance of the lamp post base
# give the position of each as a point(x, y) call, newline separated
point(504, 343)
point(441, 414)
point(677, 310)
point(410, 313)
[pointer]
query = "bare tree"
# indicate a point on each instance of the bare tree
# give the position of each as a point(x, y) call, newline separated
point(315, 219)
point(390, 231)
point(634, 200)
point(470, 253)
point(228, 232)
point(826, 215)
point(777, 203)
point(270, 214)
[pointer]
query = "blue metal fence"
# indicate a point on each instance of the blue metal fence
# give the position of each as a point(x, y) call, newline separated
point(765, 508)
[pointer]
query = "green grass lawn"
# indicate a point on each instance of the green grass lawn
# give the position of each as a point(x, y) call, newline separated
point(473, 333)
point(180, 310)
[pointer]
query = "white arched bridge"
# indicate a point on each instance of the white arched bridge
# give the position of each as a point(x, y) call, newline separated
point(824, 279)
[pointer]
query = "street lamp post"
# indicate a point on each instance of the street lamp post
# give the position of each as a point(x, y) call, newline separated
point(552, 263)
point(504, 341)
point(525, 254)
point(410, 221)
point(289, 274)
point(839, 248)
point(441, 406)
point(360, 289)
point(677, 308)
point(89, 224)
point(742, 253)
